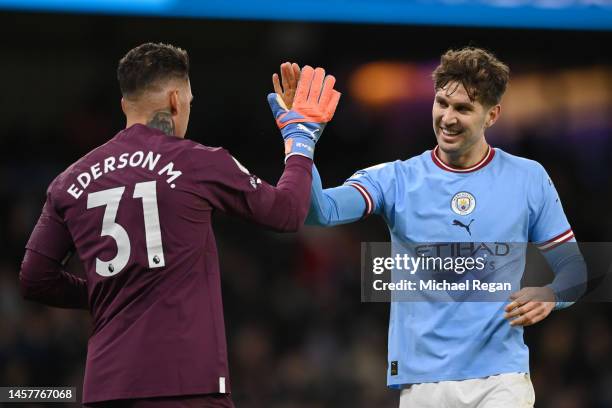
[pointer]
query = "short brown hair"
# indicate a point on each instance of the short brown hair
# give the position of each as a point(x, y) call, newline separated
point(148, 64)
point(483, 76)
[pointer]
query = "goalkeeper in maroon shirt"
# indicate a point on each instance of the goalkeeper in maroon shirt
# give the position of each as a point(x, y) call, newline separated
point(137, 211)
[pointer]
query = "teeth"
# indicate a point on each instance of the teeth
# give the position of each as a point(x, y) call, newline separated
point(449, 133)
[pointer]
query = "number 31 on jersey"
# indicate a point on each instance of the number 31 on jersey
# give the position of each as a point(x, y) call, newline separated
point(111, 198)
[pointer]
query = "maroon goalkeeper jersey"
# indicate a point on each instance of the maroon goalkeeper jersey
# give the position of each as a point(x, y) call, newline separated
point(138, 212)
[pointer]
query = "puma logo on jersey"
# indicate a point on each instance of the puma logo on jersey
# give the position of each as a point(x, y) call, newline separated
point(462, 225)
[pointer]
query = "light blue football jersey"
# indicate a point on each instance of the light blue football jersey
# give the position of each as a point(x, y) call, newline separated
point(503, 198)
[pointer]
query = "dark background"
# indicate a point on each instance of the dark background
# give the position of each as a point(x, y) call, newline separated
point(298, 335)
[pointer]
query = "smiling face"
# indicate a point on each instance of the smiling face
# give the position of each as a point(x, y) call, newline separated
point(459, 123)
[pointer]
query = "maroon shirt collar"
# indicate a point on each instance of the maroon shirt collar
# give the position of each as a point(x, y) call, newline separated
point(485, 160)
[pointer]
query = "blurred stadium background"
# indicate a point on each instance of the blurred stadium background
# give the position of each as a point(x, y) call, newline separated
point(298, 335)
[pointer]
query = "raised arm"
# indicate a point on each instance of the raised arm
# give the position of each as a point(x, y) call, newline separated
point(229, 186)
point(334, 206)
point(301, 112)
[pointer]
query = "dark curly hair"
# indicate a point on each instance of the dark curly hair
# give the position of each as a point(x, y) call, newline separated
point(483, 76)
point(148, 64)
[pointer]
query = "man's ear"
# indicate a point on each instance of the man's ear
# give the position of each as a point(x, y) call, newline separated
point(123, 106)
point(493, 115)
point(174, 101)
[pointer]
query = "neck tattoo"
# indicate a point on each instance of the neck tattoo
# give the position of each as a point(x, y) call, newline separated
point(162, 120)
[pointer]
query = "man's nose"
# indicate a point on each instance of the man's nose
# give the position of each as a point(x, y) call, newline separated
point(449, 118)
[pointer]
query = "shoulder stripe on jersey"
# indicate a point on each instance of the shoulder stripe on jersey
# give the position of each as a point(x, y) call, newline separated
point(556, 241)
point(485, 160)
point(366, 196)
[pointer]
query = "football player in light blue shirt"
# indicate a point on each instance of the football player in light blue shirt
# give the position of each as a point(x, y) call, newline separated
point(461, 354)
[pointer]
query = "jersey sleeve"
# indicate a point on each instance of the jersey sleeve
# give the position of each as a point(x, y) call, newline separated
point(221, 179)
point(50, 236)
point(548, 225)
point(374, 184)
point(333, 206)
point(228, 186)
point(42, 278)
point(549, 229)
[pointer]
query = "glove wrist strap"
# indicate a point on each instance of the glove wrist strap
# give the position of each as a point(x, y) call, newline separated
point(299, 144)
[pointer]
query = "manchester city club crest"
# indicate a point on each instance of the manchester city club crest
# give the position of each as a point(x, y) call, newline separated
point(463, 203)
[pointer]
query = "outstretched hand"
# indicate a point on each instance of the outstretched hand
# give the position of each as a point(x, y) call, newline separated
point(530, 305)
point(313, 104)
point(289, 77)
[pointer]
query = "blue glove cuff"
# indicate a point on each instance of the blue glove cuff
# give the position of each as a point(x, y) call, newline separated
point(299, 144)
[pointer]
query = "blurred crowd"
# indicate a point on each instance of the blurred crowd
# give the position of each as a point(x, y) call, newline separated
point(298, 335)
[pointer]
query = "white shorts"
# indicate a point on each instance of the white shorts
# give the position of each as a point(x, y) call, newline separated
point(511, 390)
